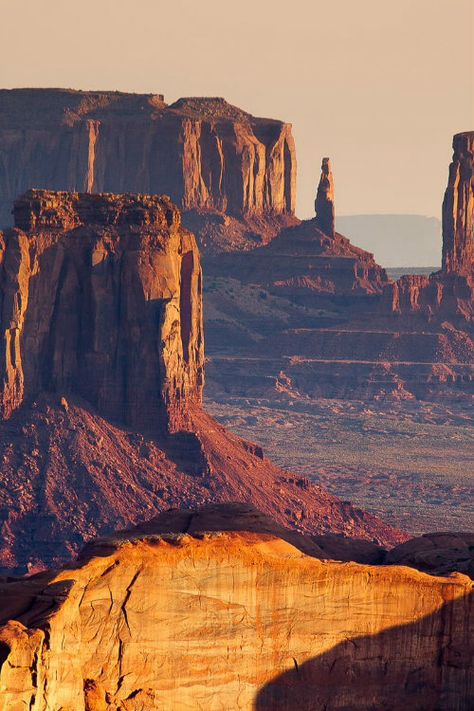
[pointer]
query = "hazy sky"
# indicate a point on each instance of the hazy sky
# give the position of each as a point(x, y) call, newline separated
point(378, 85)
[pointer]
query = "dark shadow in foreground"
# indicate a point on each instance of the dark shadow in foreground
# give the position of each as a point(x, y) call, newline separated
point(424, 666)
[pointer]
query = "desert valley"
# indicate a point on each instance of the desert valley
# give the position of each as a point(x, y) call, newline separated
point(154, 248)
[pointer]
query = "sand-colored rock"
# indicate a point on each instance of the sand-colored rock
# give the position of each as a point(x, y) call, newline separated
point(232, 619)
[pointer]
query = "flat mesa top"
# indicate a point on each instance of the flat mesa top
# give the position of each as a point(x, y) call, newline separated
point(20, 108)
point(48, 208)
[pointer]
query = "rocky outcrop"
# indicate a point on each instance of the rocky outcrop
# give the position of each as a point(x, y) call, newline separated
point(458, 209)
point(221, 612)
point(324, 203)
point(101, 382)
point(317, 316)
point(202, 152)
point(101, 297)
point(437, 553)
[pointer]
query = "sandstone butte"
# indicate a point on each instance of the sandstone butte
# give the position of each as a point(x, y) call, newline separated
point(312, 315)
point(215, 610)
point(101, 372)
point(232, 175)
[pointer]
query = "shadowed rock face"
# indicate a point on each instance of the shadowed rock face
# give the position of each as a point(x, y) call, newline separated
point(203, 152)
point(458, 208)
point(100, 296)
point(214, 609)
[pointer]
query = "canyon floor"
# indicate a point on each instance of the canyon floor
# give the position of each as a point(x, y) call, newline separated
point(411, 462)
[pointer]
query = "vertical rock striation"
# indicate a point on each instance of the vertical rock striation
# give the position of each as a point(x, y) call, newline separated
point(458, 208)
point(203, 152)
point(324, 203)
point(219, 616)
point(100, 295)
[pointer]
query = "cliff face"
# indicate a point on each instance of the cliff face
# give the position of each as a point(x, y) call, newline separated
point(458, 208)
point(101, 375)
point(449, 293)
point(204, 153)
point(316, 316)
point(100, 296)
point(235, 618)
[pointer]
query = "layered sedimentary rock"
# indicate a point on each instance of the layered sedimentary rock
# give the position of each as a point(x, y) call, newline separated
point(449, 293)
point(316, 316)
point(100, 296)
point(202, 152)
point(219, 616)
point(101, 382)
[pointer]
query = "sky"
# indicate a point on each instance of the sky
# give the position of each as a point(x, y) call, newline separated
point(377, 85)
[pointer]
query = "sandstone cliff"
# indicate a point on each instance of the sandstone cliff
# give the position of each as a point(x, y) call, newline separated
point(101, 296)
point(234, 618)
point(203, 152)
point(101, 378)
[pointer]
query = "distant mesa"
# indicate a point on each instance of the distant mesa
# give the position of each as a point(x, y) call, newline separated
point(211, 158)
point(407, 243)
point(333, 324)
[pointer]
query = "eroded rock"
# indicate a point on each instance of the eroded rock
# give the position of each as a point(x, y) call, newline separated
point(458, 208)
point(101, 296)
point(324, 203)
point(203, 152)
point(232, 617)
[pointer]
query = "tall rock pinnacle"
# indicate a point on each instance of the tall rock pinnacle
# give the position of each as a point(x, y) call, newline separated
point(458, 208)
point(324, 203)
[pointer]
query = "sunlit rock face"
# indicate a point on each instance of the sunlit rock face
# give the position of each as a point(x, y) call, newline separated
point(232, 618)
point(203, 152)
point(100, 296)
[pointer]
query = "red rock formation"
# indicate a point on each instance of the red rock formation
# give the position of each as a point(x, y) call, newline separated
point(304, 261)
point(101, 380)
point(448, 294)
point(458, 208)
point(215, 609)
point(203, 152)
point(337, 326)
point(324, 203)
point(101, 297)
